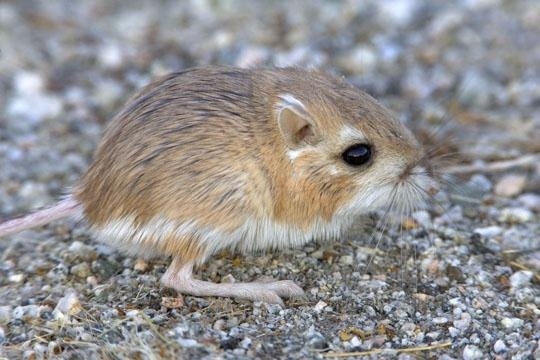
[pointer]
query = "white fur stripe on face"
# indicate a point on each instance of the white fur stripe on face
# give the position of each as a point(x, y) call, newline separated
point(294, 154)
point(350, 135)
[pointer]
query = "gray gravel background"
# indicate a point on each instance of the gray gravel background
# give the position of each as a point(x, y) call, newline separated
point(463, 278)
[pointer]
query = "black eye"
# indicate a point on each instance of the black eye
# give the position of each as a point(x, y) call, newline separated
point(357, 155)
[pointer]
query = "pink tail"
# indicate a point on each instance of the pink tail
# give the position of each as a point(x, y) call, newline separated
point(63, 208)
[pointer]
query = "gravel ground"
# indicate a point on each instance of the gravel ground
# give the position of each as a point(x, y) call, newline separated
point(460, 281)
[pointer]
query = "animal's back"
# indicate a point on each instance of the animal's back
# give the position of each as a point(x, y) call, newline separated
point(176, 160)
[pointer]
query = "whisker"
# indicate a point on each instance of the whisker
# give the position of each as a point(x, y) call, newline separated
point(383, 220)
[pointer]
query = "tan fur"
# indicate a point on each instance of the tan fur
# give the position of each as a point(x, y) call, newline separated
point(187, 248)
point(203, 145)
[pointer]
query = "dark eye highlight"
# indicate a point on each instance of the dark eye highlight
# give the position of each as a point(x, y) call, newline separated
point(357, 155)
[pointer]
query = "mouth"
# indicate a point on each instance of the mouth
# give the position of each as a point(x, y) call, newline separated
point(412, 189)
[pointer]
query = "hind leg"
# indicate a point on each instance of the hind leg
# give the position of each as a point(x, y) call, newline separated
point(179, 276)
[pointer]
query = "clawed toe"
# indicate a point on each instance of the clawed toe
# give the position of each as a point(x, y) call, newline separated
point(286, 288)
point(268, 296)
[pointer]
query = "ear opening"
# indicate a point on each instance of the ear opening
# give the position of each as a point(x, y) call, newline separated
point(294, 121)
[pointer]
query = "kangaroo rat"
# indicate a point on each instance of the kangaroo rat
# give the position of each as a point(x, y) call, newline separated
point(216, 158)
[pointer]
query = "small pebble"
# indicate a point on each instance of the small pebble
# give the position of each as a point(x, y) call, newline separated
point(489, 231)
point(132, 313)
point(422, 217)
point(512, 323)
point(355, 342)
point(464, 322)
point(515, 215)
point(187, 343)
point(476, 89)
point(520, 279)
point(481, 183)
point(499, 346)
point(68, 305)
point(251, 56)
point(439, 320)
point(110, 56)
point(16, 278)
point(320, 306)
point(510, 185)
point(219, 325)
point(228, 279)
point(396, 12)
point(359, 60)
point(5, 314)
point(472, 352)
point(315, 339)
point(245, 343)
point(81, 270)
point(346, 260)
point(531, 201)
point(140, 265)
point(172, 302)
point(408, 327)
point(92, 281)
point(454, 332)
point(27, 312)
point(34, 108)
point(317, 254)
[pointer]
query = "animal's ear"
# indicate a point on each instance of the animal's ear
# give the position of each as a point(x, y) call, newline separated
point(294, 121)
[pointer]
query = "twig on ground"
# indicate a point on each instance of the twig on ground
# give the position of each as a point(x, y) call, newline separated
point(522, 161)
point(378, 351)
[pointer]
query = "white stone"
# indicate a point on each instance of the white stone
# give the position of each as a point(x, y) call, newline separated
point(439, 320)
point(520, 278)
point(499, 346)
point(346, 260)
point(68, 305)
point(355, 342)
point(512, 323)
point(5, 314)
point(396, 12)
point(35, 107)
point(245, 343)
point(510, 185)
point(454, 332)
point(132, 313)
point(516, 215)
point(229, 279)
point(471, 352)
point(320, 306)
point(187, 342)
point(364, 58)
point(252, 56)
point(489, 231)
point(422, 217)
point(18, 312)
point(464, 322)
point(110, 56)
point(28, 83)
point(530, 200)
point(16, 278)
point(481, 182)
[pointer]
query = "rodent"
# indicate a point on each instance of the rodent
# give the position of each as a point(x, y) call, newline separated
point(218, 157)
